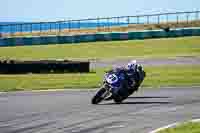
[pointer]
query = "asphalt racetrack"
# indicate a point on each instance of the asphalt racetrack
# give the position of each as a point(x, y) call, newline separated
point(147, 62)
point(72, 111)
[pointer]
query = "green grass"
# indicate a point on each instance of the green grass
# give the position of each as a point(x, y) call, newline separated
point(183, 75)
point(156, 77)
point(151, 48)
point(184, 128)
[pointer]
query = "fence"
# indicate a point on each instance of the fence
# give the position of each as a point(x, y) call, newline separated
point(85, 26)
point(21, 41)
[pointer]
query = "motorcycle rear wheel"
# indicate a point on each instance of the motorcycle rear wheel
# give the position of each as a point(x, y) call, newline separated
point(117, 98)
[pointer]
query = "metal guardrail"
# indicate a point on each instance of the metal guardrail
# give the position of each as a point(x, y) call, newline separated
point(96, 24)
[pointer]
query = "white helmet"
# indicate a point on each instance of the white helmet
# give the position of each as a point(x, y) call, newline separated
point(131, 65)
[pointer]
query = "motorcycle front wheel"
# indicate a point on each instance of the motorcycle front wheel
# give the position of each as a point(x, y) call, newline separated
point(99, 96)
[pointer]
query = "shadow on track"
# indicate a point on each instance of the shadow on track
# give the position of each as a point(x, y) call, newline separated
point(148, 97)
point(143, 97)
point(136, 103)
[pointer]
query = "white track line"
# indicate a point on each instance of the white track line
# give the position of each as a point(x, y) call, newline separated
point(165, 127)
point(51, 90)
point(92, 89)
point(173, 125)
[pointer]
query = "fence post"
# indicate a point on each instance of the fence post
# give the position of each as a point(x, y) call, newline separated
point(1, 32)
point(108, 22)
point(128, 20)
point(187, 18)
point(138, 19)
point(31, 28)
point(10, 30)
point(59, 28)
point(69, 25)
point(98, 25)
point(118, 20)
point(40, 28)
point(148, 19)
point(79, 24)
point(158, 19)
point(21, 28)
point(177, 19)
point(197, 15)
point(50, 27)
point(167, 15)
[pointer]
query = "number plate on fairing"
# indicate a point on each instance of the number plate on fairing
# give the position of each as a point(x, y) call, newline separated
point(112, 78)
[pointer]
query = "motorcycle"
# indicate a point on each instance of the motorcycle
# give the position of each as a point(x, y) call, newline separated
point(115, 87)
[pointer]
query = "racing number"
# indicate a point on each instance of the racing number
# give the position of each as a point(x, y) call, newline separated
point(112, 78)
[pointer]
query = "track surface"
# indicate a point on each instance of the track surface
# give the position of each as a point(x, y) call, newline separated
point(71, 111)
point(147, 62)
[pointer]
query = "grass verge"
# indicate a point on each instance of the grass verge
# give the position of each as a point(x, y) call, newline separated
point(158, 76)
point(191, 127)
point(150, 48)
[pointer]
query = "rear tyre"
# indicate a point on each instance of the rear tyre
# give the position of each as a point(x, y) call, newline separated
point(117, 98)
point(118, 101)
point(98, 97)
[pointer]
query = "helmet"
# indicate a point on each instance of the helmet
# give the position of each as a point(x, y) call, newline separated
point(131, 65)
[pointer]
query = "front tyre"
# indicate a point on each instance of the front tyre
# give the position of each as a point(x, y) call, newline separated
point(99, 96)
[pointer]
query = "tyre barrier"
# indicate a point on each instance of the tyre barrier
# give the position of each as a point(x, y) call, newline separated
point(43, 66)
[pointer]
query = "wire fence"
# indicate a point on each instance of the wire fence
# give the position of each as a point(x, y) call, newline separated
point(96, 25)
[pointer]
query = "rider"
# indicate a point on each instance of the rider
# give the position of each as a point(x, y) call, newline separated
point(132, 75)
point(132, 72)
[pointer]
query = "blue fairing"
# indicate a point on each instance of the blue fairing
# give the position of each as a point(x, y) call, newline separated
point(115, 81)
point(115, 87)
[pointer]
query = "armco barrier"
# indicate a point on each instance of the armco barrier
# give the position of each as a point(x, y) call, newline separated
point(99, 37)
point(35, 41)
point(28, 41)
point(2, 42)
point(19, 41)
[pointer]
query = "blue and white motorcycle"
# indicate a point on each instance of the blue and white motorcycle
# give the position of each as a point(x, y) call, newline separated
point(115, 87)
